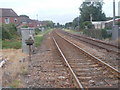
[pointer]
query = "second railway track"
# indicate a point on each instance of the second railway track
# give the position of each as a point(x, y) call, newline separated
point(103, 45)
point(86, 70)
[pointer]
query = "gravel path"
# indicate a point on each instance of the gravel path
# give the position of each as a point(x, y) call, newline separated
point(46, 69)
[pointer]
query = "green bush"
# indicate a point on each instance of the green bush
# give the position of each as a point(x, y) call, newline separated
point(25, 26)
point(9, 36)
point(98, 34)
point(38, 40)
point(87, 25)
point(9, 31)
point(39, 37)
point(37, 31)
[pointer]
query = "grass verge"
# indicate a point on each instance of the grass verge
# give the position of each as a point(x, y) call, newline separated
point(15, 84)
point(73, 31)
point(15, 44)
point(39, 37)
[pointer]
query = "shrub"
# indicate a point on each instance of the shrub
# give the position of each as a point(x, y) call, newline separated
point(9, 31)
point(25, 26)
point(98, 34)
point(10, 37)
point(11, 44)
point(87, 25)
point(37, 31)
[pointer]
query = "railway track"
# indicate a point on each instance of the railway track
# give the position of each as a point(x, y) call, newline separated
point(87, 70)
point(103, 45)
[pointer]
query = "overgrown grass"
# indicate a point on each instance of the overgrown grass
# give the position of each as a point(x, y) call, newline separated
point(15, 44)
point(38, 40)
point(9, 37)
point(15, 84)
point(73, 31)
point(39, 37)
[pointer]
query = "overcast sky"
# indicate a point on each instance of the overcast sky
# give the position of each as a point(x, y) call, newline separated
point(61, 11)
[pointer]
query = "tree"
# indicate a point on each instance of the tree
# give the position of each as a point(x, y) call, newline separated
point(50, 24)
point(68, 25)
point(76, 22)
point(58, 25)
point(24, 16)
point(91, 8)
point(87, 25)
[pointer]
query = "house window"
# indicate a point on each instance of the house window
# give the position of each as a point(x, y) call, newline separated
point(15, 20)
point(7, 20)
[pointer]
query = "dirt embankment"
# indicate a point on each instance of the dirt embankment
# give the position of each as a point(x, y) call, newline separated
point(13, 67)
point(45, 70)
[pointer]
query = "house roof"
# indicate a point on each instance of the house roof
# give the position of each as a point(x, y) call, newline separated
point(24, 19)
point(7, 12)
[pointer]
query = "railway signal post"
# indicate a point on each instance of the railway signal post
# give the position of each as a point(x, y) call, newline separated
point(30, 42)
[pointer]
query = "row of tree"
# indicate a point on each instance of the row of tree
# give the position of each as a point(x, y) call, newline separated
point(51, 24)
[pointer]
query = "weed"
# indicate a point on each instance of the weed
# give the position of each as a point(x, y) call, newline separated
point(15, 84)
point(15, 44)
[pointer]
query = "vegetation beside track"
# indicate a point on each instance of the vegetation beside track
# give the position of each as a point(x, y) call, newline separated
point(98, 34)
point(9, 37)
point(39, 37)
point(73, 31)
point(15, 44)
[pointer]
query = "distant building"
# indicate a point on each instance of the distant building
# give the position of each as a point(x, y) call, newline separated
point(24, 19)
point(8, 16)
point(104, 24)
point(35, 24)
point(99, 24)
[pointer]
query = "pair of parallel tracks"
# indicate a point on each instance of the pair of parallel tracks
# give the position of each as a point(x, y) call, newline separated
point(87, 70)
point(98, 43)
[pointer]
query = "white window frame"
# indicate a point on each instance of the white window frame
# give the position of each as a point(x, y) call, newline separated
point(15, 20)
point(7, 20)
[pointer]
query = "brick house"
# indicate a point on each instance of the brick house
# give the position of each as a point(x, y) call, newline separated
point(35, 23)
point(24, 19)
point(8, 16)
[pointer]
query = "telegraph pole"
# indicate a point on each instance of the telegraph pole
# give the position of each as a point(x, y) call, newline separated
point(37, 17)
point(115, 27)
point(113, 13)
point(78, 23)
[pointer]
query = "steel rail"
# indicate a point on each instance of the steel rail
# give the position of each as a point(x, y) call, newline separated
point(102, 62)
point(79, 85)
point(97, 41)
